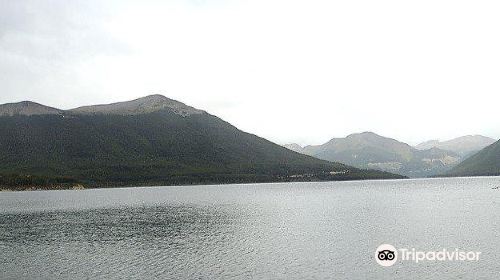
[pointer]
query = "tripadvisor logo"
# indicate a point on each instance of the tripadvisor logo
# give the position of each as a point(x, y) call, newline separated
point(387, 255)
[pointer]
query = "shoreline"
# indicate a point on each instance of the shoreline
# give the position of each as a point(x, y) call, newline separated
point(158, 184)
point(42, 188)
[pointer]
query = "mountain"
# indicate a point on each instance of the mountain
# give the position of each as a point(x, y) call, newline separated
point(149, 104)
point(464, 146)
point(484, 163)
point(294, 147)
point(27, 108)
point(151, 140)
point(369, 150)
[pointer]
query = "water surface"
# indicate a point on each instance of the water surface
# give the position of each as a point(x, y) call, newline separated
point(326, 230)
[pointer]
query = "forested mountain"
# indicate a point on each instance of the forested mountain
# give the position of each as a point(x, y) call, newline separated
point(152, 140)
point(369, 150)
point(484, 163)
point(464, 146)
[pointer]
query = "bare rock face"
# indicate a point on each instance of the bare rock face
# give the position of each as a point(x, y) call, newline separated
point(27, 108)
point(148, 104)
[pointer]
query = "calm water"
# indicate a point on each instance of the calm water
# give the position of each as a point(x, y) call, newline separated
point(265, 231)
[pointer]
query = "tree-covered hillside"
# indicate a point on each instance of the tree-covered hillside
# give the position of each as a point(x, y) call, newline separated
point(160, 147)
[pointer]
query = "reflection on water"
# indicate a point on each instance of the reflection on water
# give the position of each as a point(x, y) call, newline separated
point(299, 230)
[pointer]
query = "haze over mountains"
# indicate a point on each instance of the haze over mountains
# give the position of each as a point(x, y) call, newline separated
point(369, 150)
point(464, 146)
point(151, 140)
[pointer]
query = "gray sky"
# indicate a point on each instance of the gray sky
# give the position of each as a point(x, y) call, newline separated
point(289, 71)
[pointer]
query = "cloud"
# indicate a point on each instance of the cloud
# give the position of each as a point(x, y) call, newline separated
point(289, 71)
point(55, 30)
point(42, 44)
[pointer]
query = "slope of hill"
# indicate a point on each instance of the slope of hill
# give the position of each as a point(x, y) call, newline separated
point(464, 146)
point(369, 150)
point(152, 140)
point(484, 163)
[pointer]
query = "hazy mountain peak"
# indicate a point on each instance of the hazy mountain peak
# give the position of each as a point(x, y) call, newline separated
point(367, 135)
point(362, 134)
point(462, 145)
point(294, 147)
point(27, 108)
point(370, 150)
point(474, 138)
point(427, 144)
point(372, 139)
point(147, 104)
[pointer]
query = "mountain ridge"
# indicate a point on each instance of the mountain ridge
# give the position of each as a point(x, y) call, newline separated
point(27, 108)
point(147, 104)
point(370, 150)
point(121, 144)
point(464, 145)
point(143, 105)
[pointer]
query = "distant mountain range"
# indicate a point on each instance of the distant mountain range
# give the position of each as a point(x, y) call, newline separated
point(484, 163)
point(369, 150)
point(151, 140)
point(464, 146)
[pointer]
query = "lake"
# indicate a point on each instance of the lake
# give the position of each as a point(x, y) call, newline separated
point(324, 230)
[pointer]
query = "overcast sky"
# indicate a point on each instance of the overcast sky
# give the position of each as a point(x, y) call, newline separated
point(289, 71)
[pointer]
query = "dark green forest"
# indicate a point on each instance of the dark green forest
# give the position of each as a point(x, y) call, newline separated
point(159, 148)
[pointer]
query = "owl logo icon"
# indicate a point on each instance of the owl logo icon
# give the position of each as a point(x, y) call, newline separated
point(386, 255)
